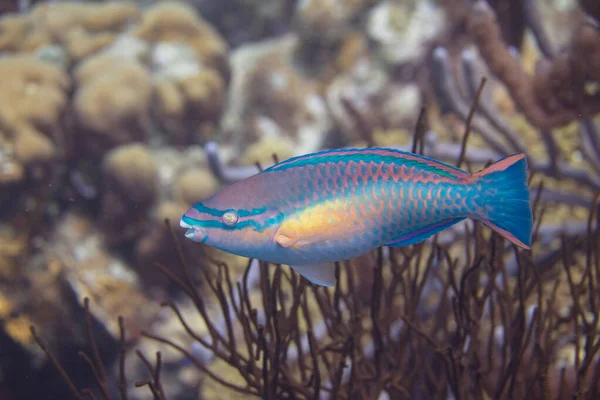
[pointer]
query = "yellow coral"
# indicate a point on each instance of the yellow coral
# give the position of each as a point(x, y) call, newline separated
point(58, 19)
point(170, 210)
point(80, 44)
point(263, 150)
point(32, 100)
point(6, 306)
point(168, 100)
point(113, 97)
point(30, 147)
point(11, 247)
point(33, 94)
point(13, 30)
point(134, 169)
point(392, 137)
point(201, 95)
point(18, 329)
point(205, 91)
point(195, 185)
point(72, 23)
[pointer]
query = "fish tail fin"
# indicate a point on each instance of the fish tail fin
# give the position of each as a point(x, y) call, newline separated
point(507, 205)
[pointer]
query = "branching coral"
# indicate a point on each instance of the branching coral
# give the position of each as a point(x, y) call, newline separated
point(561, 91)
point(503, 129)
point(421, 325)
point(430, 320)
point(461, 316)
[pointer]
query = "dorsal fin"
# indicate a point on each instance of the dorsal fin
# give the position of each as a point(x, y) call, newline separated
point(372, 154)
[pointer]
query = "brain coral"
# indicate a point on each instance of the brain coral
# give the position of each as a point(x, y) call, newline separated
point(190, 69)
point(81, 28)
point(32, 99)
point(111, 102)
point(131, 180)
point(178, 22)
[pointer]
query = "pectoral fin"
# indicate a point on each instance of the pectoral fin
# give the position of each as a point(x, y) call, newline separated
point(285, 241)
point(288, 241)
point(319, 274)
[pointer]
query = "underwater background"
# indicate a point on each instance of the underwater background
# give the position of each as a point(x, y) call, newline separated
point(116, 116)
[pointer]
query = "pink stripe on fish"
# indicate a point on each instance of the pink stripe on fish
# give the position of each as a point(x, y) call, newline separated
point(379, 152)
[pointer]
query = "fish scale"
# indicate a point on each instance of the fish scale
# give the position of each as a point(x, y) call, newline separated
point(370, 183)
point(338, 204)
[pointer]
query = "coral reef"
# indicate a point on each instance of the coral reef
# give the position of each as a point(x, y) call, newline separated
point(402, 29)
point(33, 101)
point(558, 93)
point(130, 190)
point(111, 103)
point(190, 68)
point(271, 99)
point(81, 29)
point(117, 116)
point(243, 21)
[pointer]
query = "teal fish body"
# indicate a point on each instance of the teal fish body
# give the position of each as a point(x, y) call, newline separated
point(338, 204)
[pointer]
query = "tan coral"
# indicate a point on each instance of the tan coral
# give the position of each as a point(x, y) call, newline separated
point(198, 97)
point(111, 103)
point(194, 185)
point(31, 147)
point(32, 100)
point(57, 19)
point(204, 92)
point(270, 97)
point(89, 270)
point(80, 44)
point(14, 29)
point(171, 21)
point(277, 90)
point(11, 247)
point(263, 150)
point(326, 20)
point(133, 168)
point(190, 69)
point(131, 188)
point(282, 102)
point(82, 28)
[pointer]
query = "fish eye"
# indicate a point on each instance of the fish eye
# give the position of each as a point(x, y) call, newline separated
point(230, 217)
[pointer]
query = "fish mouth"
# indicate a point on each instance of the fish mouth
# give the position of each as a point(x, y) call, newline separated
point(193, 232)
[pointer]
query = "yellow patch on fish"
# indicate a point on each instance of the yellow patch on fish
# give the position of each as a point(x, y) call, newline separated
point(329, 219)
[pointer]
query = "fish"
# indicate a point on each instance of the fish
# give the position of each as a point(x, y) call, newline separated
point(310, 211)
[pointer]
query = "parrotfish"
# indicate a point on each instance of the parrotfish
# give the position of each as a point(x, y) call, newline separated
point(310, 211)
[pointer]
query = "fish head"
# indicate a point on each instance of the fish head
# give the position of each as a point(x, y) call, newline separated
point(233, 220)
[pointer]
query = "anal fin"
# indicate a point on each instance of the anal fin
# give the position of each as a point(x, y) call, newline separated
point(424, 233)
point(319, 274)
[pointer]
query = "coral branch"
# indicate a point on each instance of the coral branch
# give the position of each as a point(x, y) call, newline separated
point(556, 95)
